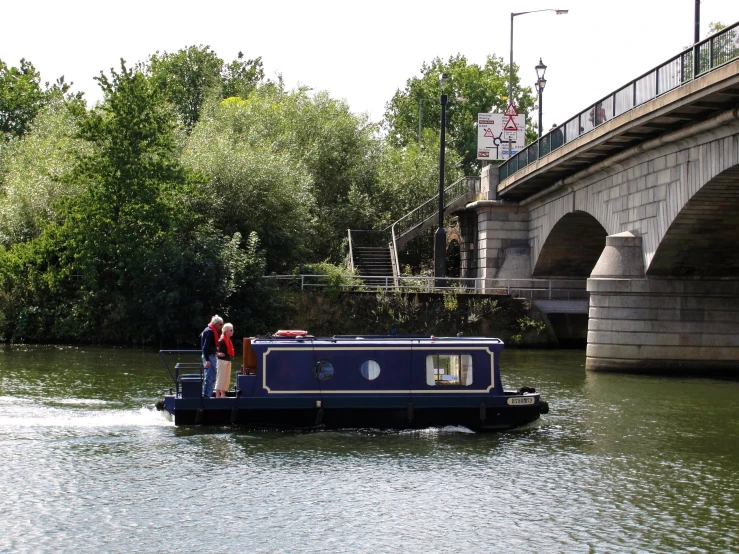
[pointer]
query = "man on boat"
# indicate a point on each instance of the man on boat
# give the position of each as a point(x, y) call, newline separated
point(209, 346)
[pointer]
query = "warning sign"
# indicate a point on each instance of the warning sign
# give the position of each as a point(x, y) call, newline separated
point(510, 110)
point(494, 130)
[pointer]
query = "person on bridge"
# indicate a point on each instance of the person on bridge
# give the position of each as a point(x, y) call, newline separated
point(557, 139)
point(209, 347)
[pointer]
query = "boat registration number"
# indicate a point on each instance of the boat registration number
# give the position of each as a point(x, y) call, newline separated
point(521, 400)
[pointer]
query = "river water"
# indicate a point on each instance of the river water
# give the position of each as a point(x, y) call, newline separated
point(620, 464)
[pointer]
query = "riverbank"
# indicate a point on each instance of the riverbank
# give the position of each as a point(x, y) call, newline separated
point(516, 322)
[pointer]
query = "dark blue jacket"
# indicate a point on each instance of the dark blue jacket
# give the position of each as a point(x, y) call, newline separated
point(208, 343)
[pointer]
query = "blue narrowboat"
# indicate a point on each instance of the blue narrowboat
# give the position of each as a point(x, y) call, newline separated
point(296, 381)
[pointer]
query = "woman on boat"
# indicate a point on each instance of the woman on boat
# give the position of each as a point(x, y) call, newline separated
point(225, 356)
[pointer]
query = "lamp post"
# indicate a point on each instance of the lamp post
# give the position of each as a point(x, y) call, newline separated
point(440, 237)
point(541, 82)
point(510, 60)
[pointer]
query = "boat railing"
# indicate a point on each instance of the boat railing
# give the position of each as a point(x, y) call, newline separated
point(530, 289)
point(180, 368)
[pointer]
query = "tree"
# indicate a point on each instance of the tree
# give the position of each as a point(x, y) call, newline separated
point(471, 89)
point(33, 171)
point(298, 169)
point(252, 186)
point(409, 175)
point(191, 75)
point(241, 77)
point(21, 97)
point(186, 78)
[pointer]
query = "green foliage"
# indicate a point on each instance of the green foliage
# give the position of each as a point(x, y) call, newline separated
point(470, 89)
point(525, 323)
point(33, 171)
point(132, 258)
point(21, 97)
point(337, 277)
point(450, 301)
point(241, 77)
point(299, 170)
point(408, 175)
point(251, 186)
point(170, 200)
point(193, 74)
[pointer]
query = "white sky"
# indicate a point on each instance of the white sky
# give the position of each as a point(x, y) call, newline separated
point(364, 51)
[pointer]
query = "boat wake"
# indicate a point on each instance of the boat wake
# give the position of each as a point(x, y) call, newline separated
point(71, 418)
point(448, 429)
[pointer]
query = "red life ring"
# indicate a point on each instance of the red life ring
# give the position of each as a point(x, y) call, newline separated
point(291, 333)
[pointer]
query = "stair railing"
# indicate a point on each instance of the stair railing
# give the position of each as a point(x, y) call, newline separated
point(351, 254)
point(367, 237)
point(417, 216)
point(395, 260)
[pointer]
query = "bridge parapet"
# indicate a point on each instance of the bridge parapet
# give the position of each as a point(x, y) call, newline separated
point(701, 96)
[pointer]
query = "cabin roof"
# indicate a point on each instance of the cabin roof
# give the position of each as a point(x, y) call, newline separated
point(374, 339)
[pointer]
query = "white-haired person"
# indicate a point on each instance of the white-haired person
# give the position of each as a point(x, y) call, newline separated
point(209, 346)
point(225, 357)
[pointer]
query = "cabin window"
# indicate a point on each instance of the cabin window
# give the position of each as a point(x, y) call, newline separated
point(370, 370)
point(448, 369)
point(324, 370)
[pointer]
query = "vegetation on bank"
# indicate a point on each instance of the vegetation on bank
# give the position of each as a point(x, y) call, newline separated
point(134, 220)
point(516, 322)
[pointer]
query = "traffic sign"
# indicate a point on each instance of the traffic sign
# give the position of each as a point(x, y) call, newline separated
point(510, 110)
point(494, 130)
point(510, 125)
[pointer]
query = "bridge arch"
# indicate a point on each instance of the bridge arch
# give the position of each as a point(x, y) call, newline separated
point(681, 192)
point(703, 238)
point(572, 247)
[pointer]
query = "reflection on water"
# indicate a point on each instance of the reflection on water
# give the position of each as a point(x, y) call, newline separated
point(620, 464)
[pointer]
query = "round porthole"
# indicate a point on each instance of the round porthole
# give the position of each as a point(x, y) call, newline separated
point(323, 370)
point(370, 370)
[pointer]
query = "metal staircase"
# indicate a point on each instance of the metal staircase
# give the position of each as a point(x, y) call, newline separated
point(376, 251)
point(374, 264)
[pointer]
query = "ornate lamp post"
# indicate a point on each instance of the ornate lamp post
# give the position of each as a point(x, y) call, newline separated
point(510, 60)
point(440, 237)
point(541, 82)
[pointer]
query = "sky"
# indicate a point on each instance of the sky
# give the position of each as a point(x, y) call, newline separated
point(363, 52)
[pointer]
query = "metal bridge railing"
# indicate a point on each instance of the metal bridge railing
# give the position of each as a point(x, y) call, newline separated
point(531, 289)
point(706, 55)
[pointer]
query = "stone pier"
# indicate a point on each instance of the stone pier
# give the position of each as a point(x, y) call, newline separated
point(648, 324)
point(502, 233)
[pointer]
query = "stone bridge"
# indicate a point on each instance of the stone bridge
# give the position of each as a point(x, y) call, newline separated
point(646, 207)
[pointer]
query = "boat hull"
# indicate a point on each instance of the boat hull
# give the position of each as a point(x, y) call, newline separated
point(239, 412)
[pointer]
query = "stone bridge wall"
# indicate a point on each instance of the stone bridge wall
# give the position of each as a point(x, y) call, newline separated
point(644, 192)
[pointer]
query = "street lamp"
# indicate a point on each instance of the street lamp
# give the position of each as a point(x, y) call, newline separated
point(440, 237)
point(510, 60)
point(541, 82)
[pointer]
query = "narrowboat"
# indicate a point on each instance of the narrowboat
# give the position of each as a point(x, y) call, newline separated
point(293, 380)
